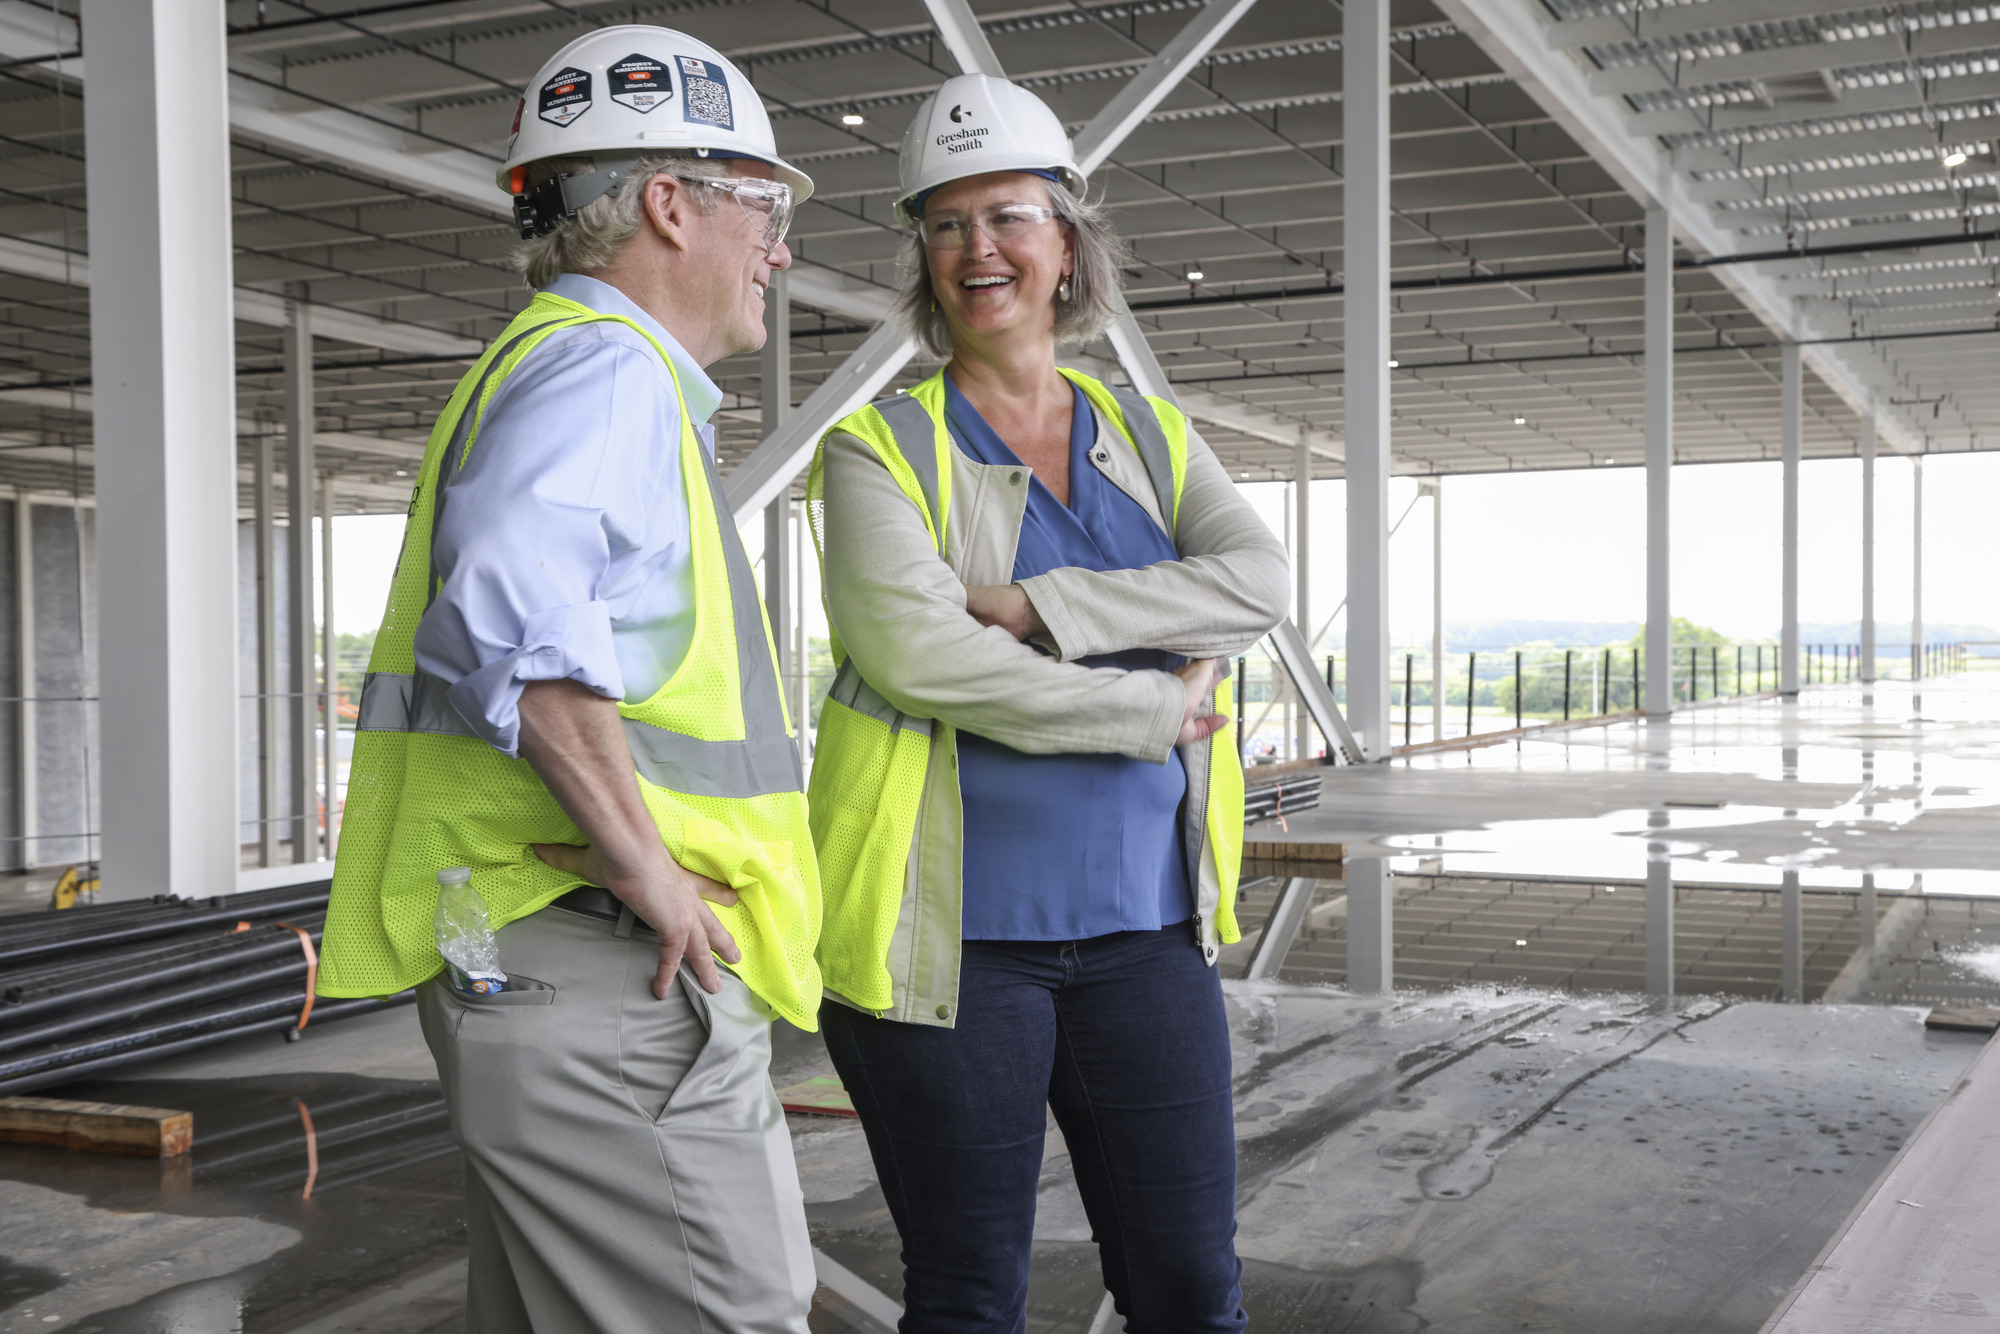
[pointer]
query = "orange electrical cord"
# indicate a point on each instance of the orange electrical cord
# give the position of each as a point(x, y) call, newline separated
point(312, 971)
point(312, 1148)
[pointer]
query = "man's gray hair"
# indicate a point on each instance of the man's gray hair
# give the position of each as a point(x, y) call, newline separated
point(1093, 286)
point(599, 233)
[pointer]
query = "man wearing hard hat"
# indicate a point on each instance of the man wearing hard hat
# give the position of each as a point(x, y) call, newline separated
point(573, 695)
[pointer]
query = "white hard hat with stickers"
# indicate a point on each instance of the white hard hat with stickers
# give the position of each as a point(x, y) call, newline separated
point(974, 124)
point(620, 94)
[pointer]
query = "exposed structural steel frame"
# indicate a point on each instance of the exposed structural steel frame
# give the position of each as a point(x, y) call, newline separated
point(1659, 334)
point(302, 700)
point(1297, 660)
point(1364, 58)
point(1281, 928)
point(365, 144)
point(769, 470)
point(1515, 34)
point(156, 161)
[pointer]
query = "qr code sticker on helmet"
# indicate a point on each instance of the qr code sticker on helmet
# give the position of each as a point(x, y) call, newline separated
point(707, 97)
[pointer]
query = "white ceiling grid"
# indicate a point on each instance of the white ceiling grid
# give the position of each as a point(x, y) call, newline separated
point(366, 132)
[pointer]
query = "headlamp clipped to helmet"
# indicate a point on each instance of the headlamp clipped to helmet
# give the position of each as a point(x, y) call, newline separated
point(538, 209)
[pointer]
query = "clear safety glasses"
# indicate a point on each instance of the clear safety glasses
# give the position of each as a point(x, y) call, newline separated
point(768, 204)
point(1001, 222)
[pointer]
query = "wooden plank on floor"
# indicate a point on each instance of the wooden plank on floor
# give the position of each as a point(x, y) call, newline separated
point(97, 1127)
point(1964, 1019)
point(822, 1095)
point(1917, 1253)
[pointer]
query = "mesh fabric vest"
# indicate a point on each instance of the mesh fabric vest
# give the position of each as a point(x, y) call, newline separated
point(715, 759)
point(869, 763)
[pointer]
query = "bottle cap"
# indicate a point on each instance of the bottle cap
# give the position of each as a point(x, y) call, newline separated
point(454, 875)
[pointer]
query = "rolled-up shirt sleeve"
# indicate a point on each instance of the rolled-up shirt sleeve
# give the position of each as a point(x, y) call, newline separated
point(557, 491)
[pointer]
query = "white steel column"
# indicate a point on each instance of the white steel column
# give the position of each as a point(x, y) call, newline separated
point(1791, 939)
point(1917, 568)
point(1371, 909)
point(264, 542)
point(330, 666)
point(1364, 60)
point(1659, 909)
point(1868, 549)
point(1791, 400)
point(1436, 487)
point(1659, 320)
point(25, 670)
point(1302, 566)
point(774, 390)
point(302, 707)
point(164, 382)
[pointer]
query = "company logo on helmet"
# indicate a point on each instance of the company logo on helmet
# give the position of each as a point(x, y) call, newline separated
point(957, 112)
point(564, 97)
point(639, 82)
point(962, 142)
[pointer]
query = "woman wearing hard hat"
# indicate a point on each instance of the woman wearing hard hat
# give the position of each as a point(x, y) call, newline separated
point(1025, 795)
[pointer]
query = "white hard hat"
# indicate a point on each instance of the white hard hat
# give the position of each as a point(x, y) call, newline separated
point(619, 94)
point(973, 124)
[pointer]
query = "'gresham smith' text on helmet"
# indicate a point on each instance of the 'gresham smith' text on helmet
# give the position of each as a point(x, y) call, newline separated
point(625, 93)
point(973, 124)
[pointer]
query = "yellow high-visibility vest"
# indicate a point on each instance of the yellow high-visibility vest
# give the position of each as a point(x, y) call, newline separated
point(715, 757)
point(891, 939)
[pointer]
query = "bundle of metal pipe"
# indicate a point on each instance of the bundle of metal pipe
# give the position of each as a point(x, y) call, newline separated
point(1288, 795)
point(122, 983)
point(43, 935)
point(152, 1040)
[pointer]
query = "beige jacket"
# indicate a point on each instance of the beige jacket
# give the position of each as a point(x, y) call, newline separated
point(899, 611)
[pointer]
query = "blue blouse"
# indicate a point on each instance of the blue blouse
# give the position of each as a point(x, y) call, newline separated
point(1066, 847)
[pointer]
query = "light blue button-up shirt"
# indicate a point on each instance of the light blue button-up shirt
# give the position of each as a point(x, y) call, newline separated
point(563, 544)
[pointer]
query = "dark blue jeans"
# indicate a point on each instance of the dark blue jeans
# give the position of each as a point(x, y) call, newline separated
point(1125, 1038)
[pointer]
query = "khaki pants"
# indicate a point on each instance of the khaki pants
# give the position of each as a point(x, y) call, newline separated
point(627, 1166)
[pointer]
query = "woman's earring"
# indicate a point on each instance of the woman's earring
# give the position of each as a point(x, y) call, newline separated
point(933, 305)
point(1062, 289)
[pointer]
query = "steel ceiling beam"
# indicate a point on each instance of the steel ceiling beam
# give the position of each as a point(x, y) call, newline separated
point(771, 467)
point(80, 402)
point(51, 264)
point(1137, 99)
point(964, 38)
point(1682, 20)
point(1514, 36)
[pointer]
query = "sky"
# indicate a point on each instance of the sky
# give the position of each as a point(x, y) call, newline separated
point(1571, 546)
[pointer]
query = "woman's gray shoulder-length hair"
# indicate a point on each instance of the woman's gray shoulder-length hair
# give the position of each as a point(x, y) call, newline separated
point(1093, 286)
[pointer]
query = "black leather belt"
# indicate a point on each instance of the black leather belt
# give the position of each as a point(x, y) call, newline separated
point(591, 902)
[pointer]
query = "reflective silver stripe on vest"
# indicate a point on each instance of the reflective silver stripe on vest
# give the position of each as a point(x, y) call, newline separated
point(848, 688)
point(766, 760)
point(1144, 424)
point(916, 438)
point(414, 702)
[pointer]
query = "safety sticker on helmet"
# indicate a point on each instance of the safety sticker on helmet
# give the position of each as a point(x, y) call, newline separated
point(639, 82)
point(565, 96)
point(707, 92)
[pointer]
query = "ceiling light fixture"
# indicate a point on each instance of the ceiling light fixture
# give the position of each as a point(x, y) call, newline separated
point(1520, 421)
point(852, 118)
point(1955, 158)
point(1194, 275)
point(1393, 363)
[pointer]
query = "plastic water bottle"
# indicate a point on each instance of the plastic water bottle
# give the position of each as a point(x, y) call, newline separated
point(465, 935)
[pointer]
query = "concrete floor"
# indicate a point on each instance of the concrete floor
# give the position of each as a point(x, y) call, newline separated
point(1476, 1153)
point(1479, 1159)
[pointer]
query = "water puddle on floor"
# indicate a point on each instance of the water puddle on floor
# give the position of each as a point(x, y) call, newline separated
point(1725, 845)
